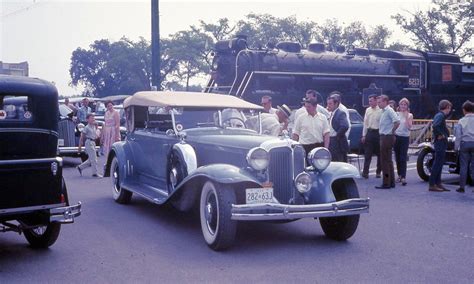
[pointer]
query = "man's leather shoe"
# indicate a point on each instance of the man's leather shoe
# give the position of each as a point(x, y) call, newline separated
point(460, 190)
point(382, 186)
point(378, 175)
point(392, 185)
point(442, 187)
point(435, 188)
point(366, 176)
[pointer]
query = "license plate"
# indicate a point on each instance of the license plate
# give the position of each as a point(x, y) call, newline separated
point(61, 142)
point(259, 195)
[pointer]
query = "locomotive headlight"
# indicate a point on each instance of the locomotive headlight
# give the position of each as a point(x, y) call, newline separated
point(320, 158)
point(303, 182)
point(258, 158)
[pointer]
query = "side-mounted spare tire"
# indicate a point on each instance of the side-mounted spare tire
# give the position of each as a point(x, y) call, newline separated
point(177, 171)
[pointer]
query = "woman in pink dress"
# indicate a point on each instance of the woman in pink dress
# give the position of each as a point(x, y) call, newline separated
point(111, 131)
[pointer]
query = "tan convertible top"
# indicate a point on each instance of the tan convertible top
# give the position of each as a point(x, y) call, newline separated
point(187, 99)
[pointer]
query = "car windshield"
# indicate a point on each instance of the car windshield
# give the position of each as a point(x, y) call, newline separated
point(15, 108)
point(187, 118)
point(355, 117)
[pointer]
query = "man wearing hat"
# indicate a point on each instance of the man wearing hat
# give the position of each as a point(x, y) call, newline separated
point(274, 124)
point(311, 129)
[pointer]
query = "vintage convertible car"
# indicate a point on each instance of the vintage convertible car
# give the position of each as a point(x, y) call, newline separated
point(191, 149)
point(426, 155)
point(33, 194)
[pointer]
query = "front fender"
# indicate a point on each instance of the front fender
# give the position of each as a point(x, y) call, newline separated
point(188, 191)
point(425, 145)
point(222, 173)
point(118, 150)
point(321, 190)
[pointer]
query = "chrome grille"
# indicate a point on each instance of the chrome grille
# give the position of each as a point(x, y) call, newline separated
point(281, 174)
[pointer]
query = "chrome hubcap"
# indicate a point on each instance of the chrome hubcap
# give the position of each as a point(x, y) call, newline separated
point(210, 213)
point(39, 230)
point(427, 160)
point(173, 178)
point(115, 177)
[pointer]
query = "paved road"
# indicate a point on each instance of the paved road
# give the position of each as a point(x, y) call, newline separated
point(410, 235)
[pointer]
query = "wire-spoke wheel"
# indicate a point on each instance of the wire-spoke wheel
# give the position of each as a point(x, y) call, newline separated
point(43, 236)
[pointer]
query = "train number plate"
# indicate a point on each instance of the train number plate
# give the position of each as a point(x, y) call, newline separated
point(60, 142)
point(259, 195)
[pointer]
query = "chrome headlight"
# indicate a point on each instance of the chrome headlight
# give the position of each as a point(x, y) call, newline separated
point(303, 182)
point(80, 127)
point(258, 158)
point(320, 158)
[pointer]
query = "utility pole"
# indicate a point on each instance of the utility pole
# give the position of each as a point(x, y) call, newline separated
point(155, 46)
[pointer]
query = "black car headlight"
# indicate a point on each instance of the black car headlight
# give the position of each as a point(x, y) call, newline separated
point(320, 158)
point(258, 158)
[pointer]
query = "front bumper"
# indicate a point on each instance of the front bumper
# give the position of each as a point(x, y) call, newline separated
point(65, 214)
point(66, 151)
point(277, 211)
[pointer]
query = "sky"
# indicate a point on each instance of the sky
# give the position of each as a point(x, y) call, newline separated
point(45, 33)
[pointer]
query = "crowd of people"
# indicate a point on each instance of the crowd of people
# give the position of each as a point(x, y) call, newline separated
point(109, 134)
point(386, 133)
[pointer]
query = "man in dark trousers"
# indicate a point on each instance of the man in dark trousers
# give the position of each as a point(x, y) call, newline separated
point(338, 125)
point(370, 136)
point(440, 137)
point(389, 122)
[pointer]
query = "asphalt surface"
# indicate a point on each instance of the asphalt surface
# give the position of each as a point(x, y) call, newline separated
point(410, 235)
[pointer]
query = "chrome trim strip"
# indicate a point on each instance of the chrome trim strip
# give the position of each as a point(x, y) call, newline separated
point(347, 207)
point(31, 161)
point(30, 130)
point(30, 208)
point(73, 150)
point(443, 62)
point(65, 214)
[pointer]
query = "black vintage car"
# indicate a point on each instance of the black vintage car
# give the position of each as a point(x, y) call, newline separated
point(426, 156)
point(34, 198)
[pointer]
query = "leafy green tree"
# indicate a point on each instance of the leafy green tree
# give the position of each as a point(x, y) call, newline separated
point(265, 28)
point(446, 27)
point(106, 68)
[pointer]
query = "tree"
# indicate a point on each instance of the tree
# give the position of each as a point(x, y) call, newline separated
point(265, 28)
point(446, 27)
point(122, 67)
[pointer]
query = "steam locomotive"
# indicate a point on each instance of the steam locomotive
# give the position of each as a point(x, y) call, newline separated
point(286, 70)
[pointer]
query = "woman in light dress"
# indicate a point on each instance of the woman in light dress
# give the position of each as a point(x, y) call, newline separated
point(111, 130)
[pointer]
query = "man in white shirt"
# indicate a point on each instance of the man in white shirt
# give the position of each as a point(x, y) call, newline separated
point(371, 137)
point(311, 129)
point(267, 105)
point(311, 94)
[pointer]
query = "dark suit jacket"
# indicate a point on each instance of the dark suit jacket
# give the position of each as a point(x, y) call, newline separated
point(340, 125)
